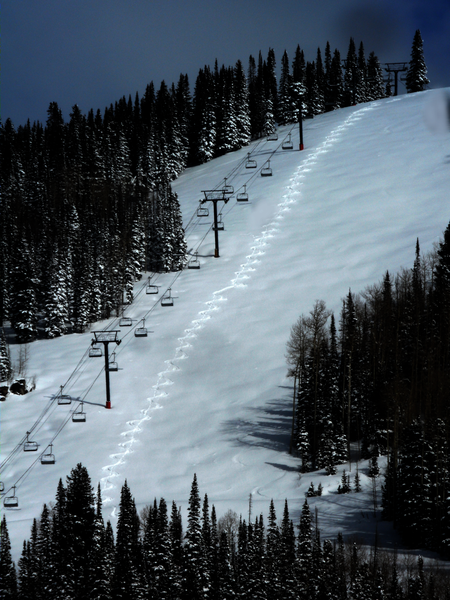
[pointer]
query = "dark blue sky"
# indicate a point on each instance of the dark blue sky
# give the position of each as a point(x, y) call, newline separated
point(92, 52)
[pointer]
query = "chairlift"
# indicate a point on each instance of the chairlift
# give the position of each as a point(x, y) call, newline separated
point(29, 445)
point(95, 352)
point(2, 487)
point(125, 322)
point(48, 458)
point(243, 196)
point(272, 137)
point(194, 263)
point(79, 416)
point(167, 299)
point(64, 398)
point(266, 171)
point(11, 501)
point(113, 366)
point(251, 162)
point(220, 224)
point(151, 288)
point(287, 143)
point(141, 331)
point(202, 211)
point(228, 189)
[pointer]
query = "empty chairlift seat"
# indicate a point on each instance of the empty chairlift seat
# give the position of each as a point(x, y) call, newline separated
point(48, 458)
point(125, 322)
point(202, 211)
point(29, 445)
point(64, 398)
point(266, 171)
point(194, 262)
point(113, 365)
point(251, 162)
point(78, 415)
point(287, 143)
point(220, 224)
point(11, 501)
point(242, 196)
point(141, 331)
point(2, 487)
point(95, 352)
point(272, 137)
point(228, 189)
point(151, 288)
point(167, 299)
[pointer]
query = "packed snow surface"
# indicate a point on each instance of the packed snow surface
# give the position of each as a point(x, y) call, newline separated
point(206, 392)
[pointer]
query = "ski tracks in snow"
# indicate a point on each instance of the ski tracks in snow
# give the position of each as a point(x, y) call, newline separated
point(253, 260)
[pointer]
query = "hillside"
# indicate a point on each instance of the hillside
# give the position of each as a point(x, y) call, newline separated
point(207, 392)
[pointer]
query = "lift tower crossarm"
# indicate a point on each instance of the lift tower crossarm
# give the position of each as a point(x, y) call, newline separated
point(215, 196)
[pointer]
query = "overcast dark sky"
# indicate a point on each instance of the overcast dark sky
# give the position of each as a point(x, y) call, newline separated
point(92, 52)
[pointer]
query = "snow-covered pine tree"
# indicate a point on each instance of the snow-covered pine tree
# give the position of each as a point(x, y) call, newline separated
point(361, 82)
point(227, 129)
point(23, 304)
point(8, 577)
point(128, 571)
point(375, 80)
point(416, 76)
point(351, 75)
point(241, 107)
point(5, 359)
point(320, 78)
point(285, 100)
point(196, 582)
point(336, 82)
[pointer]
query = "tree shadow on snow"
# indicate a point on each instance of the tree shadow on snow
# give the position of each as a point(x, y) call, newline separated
point(268, 426)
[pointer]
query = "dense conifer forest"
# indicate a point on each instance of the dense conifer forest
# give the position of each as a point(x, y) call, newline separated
point(380, 378)
point(73, 554)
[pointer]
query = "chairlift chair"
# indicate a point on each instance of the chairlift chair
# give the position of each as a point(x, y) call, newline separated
point(266, 171)
point(194, 263)
point(79, 416)
point(95, 352)
point(202, 211)
point(11, 501)
point(64, 399)
point(272, 137)
point(287, 143)
point(243, 196)
point(29, 445)
point(125, 322)
point(251, 163)
point(2, 487)
point(228, 189)
point(141, 331)
point(167, 299)
point(220, 224)
point(113, 366)
point(48, 458)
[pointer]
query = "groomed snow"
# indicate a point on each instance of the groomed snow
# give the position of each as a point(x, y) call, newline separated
point(207, 391)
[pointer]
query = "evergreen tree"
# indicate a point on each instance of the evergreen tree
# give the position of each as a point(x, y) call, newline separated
point(5, 360)
point(351, 75)
point(196, 576)
point(416, 76)
point(8, 579)
point(127, 582)
point(375, 81)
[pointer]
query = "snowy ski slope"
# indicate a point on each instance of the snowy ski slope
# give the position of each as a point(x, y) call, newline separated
point(206, 392)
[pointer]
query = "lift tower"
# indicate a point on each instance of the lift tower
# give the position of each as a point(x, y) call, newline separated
point(216, 196)
point(105, 338)
point(396, 68)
